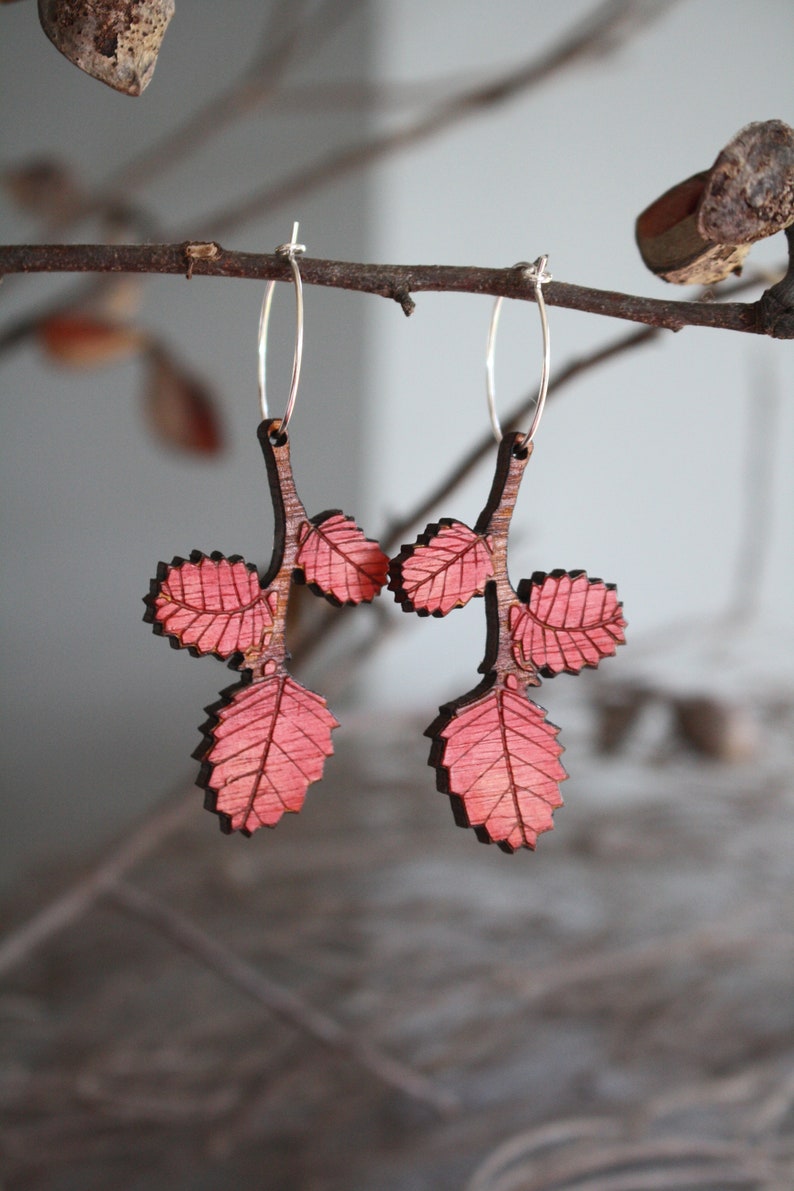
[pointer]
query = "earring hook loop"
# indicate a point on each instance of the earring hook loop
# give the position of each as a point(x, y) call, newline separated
point(538, 275)
point(291, 251)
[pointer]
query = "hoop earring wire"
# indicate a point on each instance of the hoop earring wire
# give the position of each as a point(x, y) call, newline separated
point(291, 251)
point(537, 273)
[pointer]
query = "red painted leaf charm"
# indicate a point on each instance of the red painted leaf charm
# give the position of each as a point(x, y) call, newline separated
point(211, 605)
point(498, 758)
point(265, 745)
point(446, 566)
point(494, 752)
point(339, 561)
point(565, 622)
point(267, 739)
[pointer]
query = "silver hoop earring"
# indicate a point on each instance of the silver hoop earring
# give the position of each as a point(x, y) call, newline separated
point(291, 251)
point(539, 276)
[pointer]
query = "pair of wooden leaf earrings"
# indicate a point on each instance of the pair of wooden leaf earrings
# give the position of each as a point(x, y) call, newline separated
point(495, 753)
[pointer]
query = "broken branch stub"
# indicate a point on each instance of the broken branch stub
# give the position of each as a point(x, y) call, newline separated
point(115, 41)
point(701, 230)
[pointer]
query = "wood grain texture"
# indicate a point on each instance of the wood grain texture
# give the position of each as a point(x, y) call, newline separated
point(498, 758)
point(567, 622)
point(446, 566)
point(338, 561)
point(266, 742)
point(212, 605)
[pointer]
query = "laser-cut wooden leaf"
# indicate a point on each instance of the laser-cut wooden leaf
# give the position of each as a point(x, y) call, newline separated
point(446, 566)
point(566, 622)
point(211, 605)
point(339, 561)
point(266, 743)
point(498, 758)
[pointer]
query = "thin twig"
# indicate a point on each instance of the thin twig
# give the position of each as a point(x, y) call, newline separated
point(70, 906)
point(397, 282)
point(607, 26)
point(397, 530)
point(290, 33)
point(730, 937)
point(275, 997)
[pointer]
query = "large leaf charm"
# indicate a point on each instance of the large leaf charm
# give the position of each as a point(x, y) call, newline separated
point(447, 565)
point(264, 747)
point(499, 757)
point(566, 622)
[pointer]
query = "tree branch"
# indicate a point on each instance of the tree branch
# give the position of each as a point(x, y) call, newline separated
point(286, 39)
point(276, 997)
point(68, 907)
point(397, 282)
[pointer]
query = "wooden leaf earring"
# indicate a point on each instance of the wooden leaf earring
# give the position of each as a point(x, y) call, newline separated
point(495, 753)
point(267, 739)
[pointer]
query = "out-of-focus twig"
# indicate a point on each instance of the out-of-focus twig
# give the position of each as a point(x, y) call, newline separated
point(607, 27)
point(293, 30)
point(397, 530)
point(70, 906)
point(236, 971)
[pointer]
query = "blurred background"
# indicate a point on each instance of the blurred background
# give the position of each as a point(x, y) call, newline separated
point(667, 470)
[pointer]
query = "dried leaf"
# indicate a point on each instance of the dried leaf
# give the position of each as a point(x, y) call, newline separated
point(211, 605)
point(339, 561)
point(266, 743)
point(179, 408)
point(498, 758)
point(722, 731)
point(83, 341)
point(447, 565)
point(45, 188)
point(115, 41)
point(566, 622)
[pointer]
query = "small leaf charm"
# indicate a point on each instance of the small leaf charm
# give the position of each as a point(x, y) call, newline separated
point(566, 622)
point(339, 562)
point(265, 745)
point(211, 605)
point(499, 757)
point(447, 565)
point(494, 752)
